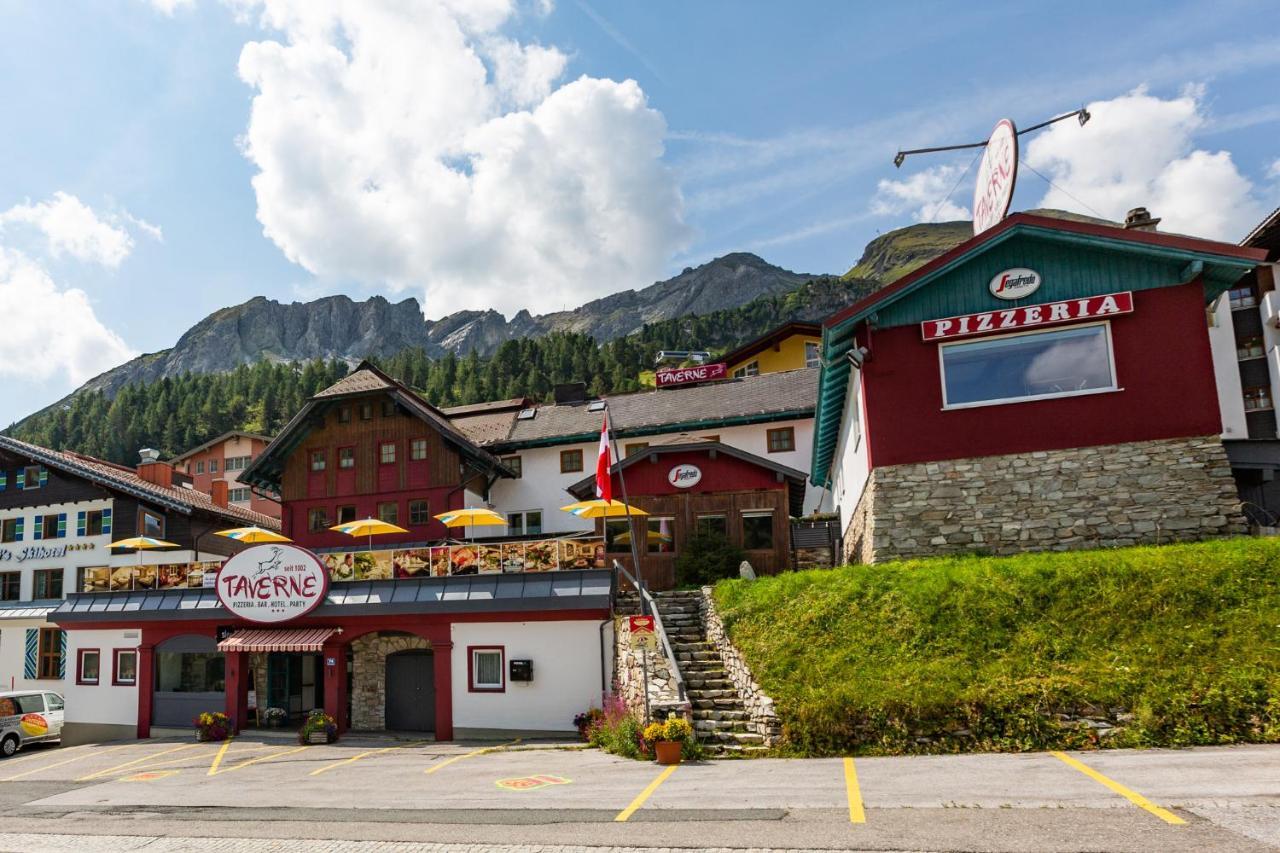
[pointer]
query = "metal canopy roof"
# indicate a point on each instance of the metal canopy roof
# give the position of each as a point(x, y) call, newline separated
point(572, 589)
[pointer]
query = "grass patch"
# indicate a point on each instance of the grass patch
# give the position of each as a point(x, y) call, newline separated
point(1173, 645)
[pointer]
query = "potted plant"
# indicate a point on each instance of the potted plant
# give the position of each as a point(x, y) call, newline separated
point(212, 726)
point(319, 728)
point(586, 720)
point(669, 739)
point(275, 718)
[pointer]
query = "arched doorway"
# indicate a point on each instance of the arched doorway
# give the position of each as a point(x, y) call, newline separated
point(411, 693)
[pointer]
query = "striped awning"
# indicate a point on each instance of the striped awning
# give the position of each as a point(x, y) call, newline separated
point(276, 640)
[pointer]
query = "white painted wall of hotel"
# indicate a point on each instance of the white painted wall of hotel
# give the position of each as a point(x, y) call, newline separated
point(1226, 369)
point(543, 487)
point(566, 675)
point(104, 710)
point(851, 465)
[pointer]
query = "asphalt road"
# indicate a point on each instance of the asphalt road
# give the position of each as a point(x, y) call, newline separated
point(377, 796)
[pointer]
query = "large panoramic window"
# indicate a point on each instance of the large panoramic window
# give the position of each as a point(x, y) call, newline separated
point(1036, 365)
point(189, 672)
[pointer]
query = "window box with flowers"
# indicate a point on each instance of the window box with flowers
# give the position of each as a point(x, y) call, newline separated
point(319, 728)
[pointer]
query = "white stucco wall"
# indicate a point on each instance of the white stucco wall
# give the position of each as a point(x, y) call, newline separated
point(13, 634)
point(543, 487)
point(566, 674)
point(104, 702)
point(851, 463)
point(1226, 369)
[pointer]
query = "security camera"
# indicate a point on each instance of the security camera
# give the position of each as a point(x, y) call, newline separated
point(857, 356)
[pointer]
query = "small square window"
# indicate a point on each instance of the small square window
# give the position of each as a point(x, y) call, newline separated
point(10, 586)
point(47, 584)
point(93, 522)
point(635, 447)
point(125, 670)
point(49, 526)
point(151, 523)
point(712, 525)
point(9, 530)
point(88, 666)
point(31, 477)
point(486, 668)
point(366, 411)
point(419, 512)
point(516, 464)
point(346, 514)
point(811, 357)
point(344, 415)
point(239, 496)
point(317, 460)
point(387, 452)
point(570, 461)
point(200, 467)
point(346, 457)
point(418, 449)
point(782, 440)
point(317, 519)
point(49, 653)
point(213, 466)
point(757, 530)
point(389, 512)
point(388, 408)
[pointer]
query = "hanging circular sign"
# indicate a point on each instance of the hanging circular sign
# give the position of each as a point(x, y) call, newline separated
point(684, 476)
point(1016, 283)
point(272, 583)
point(997, 175)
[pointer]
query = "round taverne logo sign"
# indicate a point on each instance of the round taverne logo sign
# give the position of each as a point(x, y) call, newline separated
point(272, 583)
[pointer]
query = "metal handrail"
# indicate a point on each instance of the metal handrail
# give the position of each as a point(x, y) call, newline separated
point(649, 607)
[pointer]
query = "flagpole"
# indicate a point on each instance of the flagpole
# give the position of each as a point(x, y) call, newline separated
point(622, 481)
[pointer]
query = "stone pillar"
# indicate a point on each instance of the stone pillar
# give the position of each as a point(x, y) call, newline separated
point(237, 689)
point(443, 651)
point(146, 686)
point(335, 684)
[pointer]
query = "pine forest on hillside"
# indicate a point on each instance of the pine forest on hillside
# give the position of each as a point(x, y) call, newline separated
point(177, 413)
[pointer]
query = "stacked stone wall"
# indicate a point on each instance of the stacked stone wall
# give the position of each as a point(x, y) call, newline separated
point(1138, 493)
point(369, 676)
point(759, 706)
point(629, 679)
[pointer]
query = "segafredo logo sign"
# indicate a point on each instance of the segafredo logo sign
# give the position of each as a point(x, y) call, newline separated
point(684, 476)
point(1016, 283)
point(996, 176)
point(272, 583)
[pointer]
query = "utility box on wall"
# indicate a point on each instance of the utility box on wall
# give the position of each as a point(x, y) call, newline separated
point(521, 670)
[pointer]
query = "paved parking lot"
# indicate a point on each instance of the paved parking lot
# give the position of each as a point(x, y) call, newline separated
point(384, 792)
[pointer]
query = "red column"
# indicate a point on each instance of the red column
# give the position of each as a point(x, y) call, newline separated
point(335, 684)
point(443, 649)
point(237, 689)
point(146, 685)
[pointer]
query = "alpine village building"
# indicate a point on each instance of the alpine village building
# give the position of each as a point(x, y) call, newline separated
point(220, 461)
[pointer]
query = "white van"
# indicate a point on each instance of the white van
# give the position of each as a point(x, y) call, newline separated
point(29, 716)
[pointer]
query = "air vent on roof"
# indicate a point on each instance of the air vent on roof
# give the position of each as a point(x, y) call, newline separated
point(526, 414)
point(596, 406)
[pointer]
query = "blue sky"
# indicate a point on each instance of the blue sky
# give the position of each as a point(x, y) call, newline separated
point(386, 166)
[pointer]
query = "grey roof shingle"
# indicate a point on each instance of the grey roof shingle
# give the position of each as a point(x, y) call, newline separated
point(766, 396)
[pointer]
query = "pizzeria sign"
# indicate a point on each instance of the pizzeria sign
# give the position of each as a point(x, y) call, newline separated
point(1028, 316)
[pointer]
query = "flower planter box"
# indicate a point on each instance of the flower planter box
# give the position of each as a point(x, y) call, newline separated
point(318, 737)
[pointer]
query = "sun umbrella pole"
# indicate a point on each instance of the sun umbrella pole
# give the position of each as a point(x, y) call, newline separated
point(635, 552)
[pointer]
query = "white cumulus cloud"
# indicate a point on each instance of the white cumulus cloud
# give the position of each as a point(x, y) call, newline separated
point(1140, 150)
point(50, 330)
point(168, 7)
point(923, 195)
point(417, 145)
point(70, 227)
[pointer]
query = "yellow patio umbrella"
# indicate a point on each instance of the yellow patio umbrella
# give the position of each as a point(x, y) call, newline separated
point(599, 508)
point(144, 543)
point(653, 537)
point(253, 535)
point(370, 527)
point(472, 517)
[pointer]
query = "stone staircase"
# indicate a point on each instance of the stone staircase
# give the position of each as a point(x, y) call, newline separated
point(719, 717)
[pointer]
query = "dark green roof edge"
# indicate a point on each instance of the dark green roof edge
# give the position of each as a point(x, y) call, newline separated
point(634, 432)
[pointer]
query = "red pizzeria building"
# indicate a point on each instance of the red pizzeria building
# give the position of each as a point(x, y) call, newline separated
point(1047, 384)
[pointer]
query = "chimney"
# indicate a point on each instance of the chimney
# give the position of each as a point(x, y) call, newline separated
point(1139, 219)
point(151, 469)
point(218, 491)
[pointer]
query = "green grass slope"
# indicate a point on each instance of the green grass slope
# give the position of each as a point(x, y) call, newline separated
point(1170, 646)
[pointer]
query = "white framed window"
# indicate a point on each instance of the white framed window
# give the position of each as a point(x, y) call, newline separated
point(1025, 366)
point(751, 369)
point(486, 669)
point(525, 522)
point(811, 356)
point(239, 496)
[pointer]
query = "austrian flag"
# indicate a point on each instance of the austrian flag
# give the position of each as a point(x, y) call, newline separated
point(604, 485)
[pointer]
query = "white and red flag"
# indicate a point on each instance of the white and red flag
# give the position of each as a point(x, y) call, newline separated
point(604, 484)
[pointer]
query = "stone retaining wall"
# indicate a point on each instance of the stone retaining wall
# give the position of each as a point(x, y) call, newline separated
point(369, 676)
point(628, 677)
point(1137, 493)
point(763, 719)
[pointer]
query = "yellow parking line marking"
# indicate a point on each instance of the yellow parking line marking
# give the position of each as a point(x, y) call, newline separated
point(172, 761)
point(217, 759)
point(44, 753)
point(245, 764)
point(111, 770)
point(355, 758)
point(1130, 795)
point(65, 761)
point(645, 794)
point(485, 751)
point(854, 793)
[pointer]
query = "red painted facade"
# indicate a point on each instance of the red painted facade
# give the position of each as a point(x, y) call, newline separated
point(441, 499)
point(1164, 370)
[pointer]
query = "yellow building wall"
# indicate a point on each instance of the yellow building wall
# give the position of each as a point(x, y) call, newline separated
point(788, 356)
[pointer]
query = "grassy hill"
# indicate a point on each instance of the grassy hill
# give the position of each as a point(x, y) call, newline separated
point(1156, 646)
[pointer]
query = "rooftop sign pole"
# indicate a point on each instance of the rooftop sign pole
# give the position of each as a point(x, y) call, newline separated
point(997, 175)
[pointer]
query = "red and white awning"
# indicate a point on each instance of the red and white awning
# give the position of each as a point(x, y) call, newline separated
point(276, 640)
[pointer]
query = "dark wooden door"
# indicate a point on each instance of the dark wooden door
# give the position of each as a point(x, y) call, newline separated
point(411, 694)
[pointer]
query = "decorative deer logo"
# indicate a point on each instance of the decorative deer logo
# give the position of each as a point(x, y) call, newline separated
point(271, 563)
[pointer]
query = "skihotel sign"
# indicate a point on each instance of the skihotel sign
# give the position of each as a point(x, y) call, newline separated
point(1028, 316)
point(272, 583)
